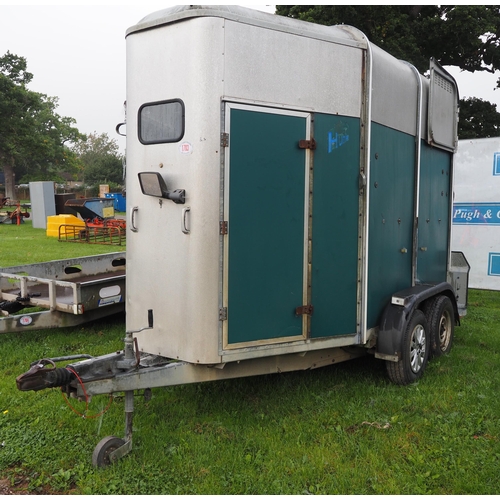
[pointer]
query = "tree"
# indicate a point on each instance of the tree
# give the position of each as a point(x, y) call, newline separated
point(478, 119)
point(99, 159)
point(32, 134)
point(467, 36)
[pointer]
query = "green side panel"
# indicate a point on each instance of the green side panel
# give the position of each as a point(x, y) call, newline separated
point(434, 215)
point(266, 225)
point(391, 205)
point(335, 225)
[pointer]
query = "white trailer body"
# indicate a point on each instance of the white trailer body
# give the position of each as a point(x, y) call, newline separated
point(476, 209)
point(205, 62)
point(215, 71)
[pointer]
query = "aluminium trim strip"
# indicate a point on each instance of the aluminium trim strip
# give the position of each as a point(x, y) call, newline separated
point(365, 215)
point(418, 152)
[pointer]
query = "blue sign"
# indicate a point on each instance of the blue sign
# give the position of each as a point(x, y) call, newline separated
point(494, 264)
point(476, 213)
point(496, 163)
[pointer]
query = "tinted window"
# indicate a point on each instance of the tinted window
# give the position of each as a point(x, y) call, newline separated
point(161, 122)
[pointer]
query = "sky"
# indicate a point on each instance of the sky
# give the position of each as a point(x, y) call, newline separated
point(77, 53)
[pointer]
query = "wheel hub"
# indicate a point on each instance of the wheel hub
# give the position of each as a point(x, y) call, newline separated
point(417, 348)
point(444, 332)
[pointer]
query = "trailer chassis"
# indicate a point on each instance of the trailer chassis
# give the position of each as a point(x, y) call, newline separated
point(416, 325)
point(129, 370)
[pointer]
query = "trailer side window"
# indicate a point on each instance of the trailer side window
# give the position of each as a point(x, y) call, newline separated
point(161, 122)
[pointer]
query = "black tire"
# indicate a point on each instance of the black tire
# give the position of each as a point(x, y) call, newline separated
point(441, 319)
point(414, 351)
point(100, 457)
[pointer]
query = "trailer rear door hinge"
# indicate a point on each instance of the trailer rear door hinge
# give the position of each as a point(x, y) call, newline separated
point(223, 314)
point(305, 144)
point(309, 309)
point(223, 227)
point(224, 140)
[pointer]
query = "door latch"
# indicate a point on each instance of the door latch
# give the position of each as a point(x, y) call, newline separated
point(305, 144)
point(301, 310)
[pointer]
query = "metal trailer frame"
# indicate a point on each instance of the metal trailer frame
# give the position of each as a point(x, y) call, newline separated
point(72, 291)
point(198, 130)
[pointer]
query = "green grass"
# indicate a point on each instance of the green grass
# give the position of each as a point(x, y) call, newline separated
point(24, 244)
point(344, 429)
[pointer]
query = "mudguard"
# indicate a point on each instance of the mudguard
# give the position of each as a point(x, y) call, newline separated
point(397, 312)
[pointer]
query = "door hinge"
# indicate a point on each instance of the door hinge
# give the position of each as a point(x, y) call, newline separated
point(223, 227)
point(309, 309)
point(224, 140)
point(305, 144)
point(223, 314)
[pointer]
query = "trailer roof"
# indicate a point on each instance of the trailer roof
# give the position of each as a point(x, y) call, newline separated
point(346, 35)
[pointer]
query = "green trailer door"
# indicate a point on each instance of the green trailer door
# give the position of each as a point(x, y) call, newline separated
point(434, 215)
point(391, 217)
point(265, 210)
point(335, 226)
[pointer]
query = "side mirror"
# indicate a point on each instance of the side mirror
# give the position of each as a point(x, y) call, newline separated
point(152, 184)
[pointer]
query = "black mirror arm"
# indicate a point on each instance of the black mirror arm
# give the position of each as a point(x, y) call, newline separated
point(177, 196)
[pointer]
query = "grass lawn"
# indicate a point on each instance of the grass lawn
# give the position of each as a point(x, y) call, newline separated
point(343, 429)
point(24, 244)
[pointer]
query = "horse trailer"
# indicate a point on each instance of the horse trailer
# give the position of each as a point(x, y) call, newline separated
point(289, 199)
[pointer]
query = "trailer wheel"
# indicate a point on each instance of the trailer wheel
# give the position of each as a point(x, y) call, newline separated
point(414, 351)
point(441, 318)
point(100, 457)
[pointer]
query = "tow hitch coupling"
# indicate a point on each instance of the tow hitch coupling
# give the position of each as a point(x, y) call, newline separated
point(43, 374)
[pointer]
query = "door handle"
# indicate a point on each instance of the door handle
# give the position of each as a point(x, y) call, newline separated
point(184, 225)
point(133, 227)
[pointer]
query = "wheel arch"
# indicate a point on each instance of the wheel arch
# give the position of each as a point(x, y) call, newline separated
point(398, 311)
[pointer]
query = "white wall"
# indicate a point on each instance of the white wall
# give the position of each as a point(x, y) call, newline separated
point(476, 211)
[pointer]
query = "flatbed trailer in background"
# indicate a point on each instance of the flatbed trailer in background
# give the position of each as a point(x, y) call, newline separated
point(70, 292)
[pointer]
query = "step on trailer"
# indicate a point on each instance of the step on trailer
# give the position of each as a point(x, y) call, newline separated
point(289, 194)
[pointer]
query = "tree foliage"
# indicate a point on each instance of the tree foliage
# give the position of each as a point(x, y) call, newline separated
point(99, 160)
point(479, 119)
point(32, 134)
point(467, 36)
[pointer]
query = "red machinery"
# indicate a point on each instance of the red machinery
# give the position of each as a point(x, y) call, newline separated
point(14, 217)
